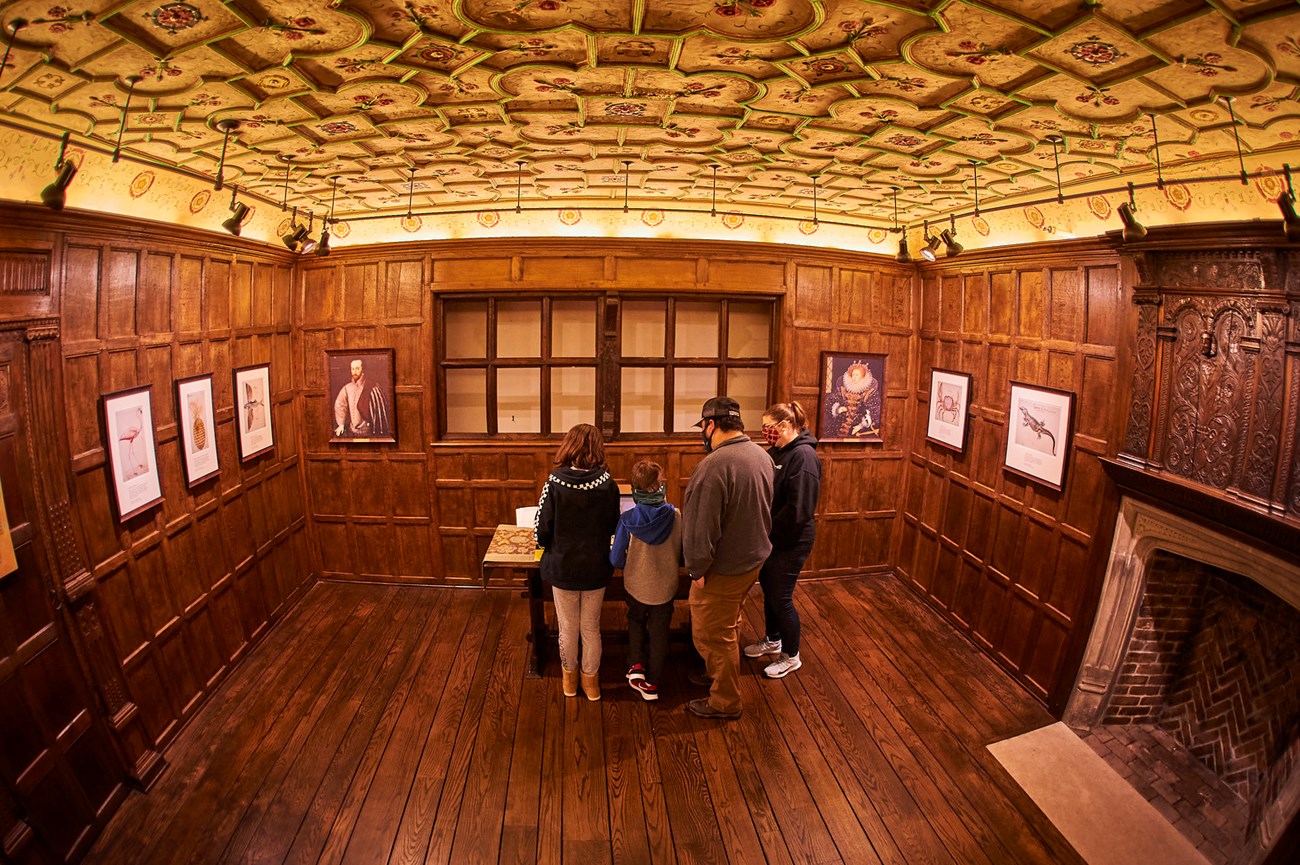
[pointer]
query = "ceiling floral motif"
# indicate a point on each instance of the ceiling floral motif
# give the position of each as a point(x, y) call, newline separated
point(675, 105)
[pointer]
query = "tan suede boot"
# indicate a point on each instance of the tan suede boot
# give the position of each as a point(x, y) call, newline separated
point(570, 683)
point(591, 685)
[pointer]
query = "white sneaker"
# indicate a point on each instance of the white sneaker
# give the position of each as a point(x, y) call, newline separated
point(782, 665)
point(762, 647)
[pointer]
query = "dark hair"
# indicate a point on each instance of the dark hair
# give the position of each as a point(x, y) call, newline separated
point(788, 411)
point(728, 424)
point(647, 476)
point(583, 447)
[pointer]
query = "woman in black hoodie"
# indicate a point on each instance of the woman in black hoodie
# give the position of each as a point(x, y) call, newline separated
point(576, 517)
point(794, 505)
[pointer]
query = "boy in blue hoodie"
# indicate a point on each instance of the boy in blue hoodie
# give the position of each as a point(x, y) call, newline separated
point(648, 547)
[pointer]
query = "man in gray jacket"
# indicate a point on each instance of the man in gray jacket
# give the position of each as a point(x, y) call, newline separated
point(727, 515)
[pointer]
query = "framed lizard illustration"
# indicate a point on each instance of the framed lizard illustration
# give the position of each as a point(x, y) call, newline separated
point(1040, 423)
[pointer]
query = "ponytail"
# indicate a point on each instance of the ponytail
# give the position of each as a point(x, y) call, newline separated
point(788, 411)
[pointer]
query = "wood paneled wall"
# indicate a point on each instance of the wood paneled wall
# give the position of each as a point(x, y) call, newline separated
point(1014, 564)
point(423, 510)
point(184, 588)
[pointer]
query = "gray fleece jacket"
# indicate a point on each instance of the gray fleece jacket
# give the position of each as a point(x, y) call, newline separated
point(727, 510)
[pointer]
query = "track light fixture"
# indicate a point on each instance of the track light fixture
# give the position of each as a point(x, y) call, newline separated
point(284, 204)
point(903, 256)
point(952, 248)
point(627, 166)
point(410, 191)
point(713, 207)
point(323, 245)
point(930, 251)
point(1133, 230)
point(306, 244)
point(1056, 159)
point(1236, 137)
point(238, 211)
point(519, 186)
point(13, 27)
point(117, 149)
point(225, 127)
point(55, 195)
point(814, 180)
point(1286, 203)
point(296, 234)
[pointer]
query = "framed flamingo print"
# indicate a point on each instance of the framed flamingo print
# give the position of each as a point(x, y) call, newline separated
point(132, 461)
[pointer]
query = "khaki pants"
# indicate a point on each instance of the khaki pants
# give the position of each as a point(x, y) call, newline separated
point(715, 612)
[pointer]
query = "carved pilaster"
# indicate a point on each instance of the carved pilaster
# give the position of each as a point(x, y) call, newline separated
point(1138, 439)
point(1260, 470)
point(73, 583)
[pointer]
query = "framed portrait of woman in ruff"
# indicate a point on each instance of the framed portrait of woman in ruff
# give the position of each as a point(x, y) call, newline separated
point(133, 463)
point(852, 398)
point(949, 402)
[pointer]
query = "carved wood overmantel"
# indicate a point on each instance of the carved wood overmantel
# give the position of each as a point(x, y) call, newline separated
point(1216, 372)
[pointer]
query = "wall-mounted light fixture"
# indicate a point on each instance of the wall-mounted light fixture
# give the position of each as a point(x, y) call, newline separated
point(238, 211)
point(225, 127)
point(930, 251)
point(55, 195)
point(1133, 230)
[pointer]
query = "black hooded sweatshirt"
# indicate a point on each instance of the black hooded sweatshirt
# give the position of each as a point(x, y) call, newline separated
point(576, 517)
point(795, 491)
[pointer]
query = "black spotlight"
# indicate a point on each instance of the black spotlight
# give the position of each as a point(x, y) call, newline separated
point(235, 222)
point(323, 245)
point(951, 247)
point(1133, 230)
point(1290, 221)
point(904, 256)
point(55, 195)
point(308, 245)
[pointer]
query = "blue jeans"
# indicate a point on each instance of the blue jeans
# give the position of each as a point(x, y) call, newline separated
point(778, 577)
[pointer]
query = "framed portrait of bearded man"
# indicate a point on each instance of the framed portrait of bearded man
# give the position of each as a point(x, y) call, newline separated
point(852, 398)
point(361, 400)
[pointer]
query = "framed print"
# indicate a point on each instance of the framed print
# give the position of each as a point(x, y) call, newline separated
point(128, 422)
point(194, 416)
point(852, 398)
point(361, 395)
point(1039, 426)
point(253, 410)
point(949, 401)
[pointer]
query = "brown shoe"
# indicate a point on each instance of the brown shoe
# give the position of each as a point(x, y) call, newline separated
point(701, 708)
point(570, 683)
point(591, 685)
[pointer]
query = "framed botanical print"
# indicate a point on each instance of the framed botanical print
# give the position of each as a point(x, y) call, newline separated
point(361, 389)
point(198, 438)
point(133, 463)
point(1039, 429)
point(851, 403)
point(253, 410)
point(949, 402)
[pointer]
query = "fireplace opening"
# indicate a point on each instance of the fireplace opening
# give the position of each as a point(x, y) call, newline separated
point(1189, 688)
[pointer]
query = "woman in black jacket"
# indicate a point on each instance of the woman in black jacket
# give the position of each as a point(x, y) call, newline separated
point(576, 517)
point(795, 491)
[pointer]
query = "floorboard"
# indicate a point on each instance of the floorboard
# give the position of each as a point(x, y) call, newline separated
point(396, 724)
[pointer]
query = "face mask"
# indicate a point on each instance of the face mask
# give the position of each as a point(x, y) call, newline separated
point(707, 438)
point(770, 436)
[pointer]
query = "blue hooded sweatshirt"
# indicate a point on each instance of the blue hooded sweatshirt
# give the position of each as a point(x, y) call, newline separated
point(651, 524)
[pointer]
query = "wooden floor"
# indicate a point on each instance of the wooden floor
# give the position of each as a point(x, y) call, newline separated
point(395, 724)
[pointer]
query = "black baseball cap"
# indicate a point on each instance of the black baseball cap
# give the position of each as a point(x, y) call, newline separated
point(718, 407)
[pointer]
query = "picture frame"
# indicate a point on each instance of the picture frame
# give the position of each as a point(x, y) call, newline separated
point(195, 418)
point(851, 400)
point(132, 458)
point(1040, 427)
point(253, 410)
point(949, 407)
point(361, 399)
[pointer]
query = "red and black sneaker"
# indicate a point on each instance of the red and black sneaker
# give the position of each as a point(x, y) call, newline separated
point(648, 691)
point(635, 672)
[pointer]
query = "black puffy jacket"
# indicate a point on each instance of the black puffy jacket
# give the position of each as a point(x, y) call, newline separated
point(576, 517)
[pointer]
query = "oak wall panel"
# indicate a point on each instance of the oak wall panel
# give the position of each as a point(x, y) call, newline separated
point(1025, 566)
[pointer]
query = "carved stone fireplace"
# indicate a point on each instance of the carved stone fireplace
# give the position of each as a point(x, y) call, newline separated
point(1202, 646)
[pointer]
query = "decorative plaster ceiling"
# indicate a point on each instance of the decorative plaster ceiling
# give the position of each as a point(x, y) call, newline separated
point(772, 106)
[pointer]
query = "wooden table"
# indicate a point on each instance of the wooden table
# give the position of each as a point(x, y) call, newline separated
point(511, 548)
